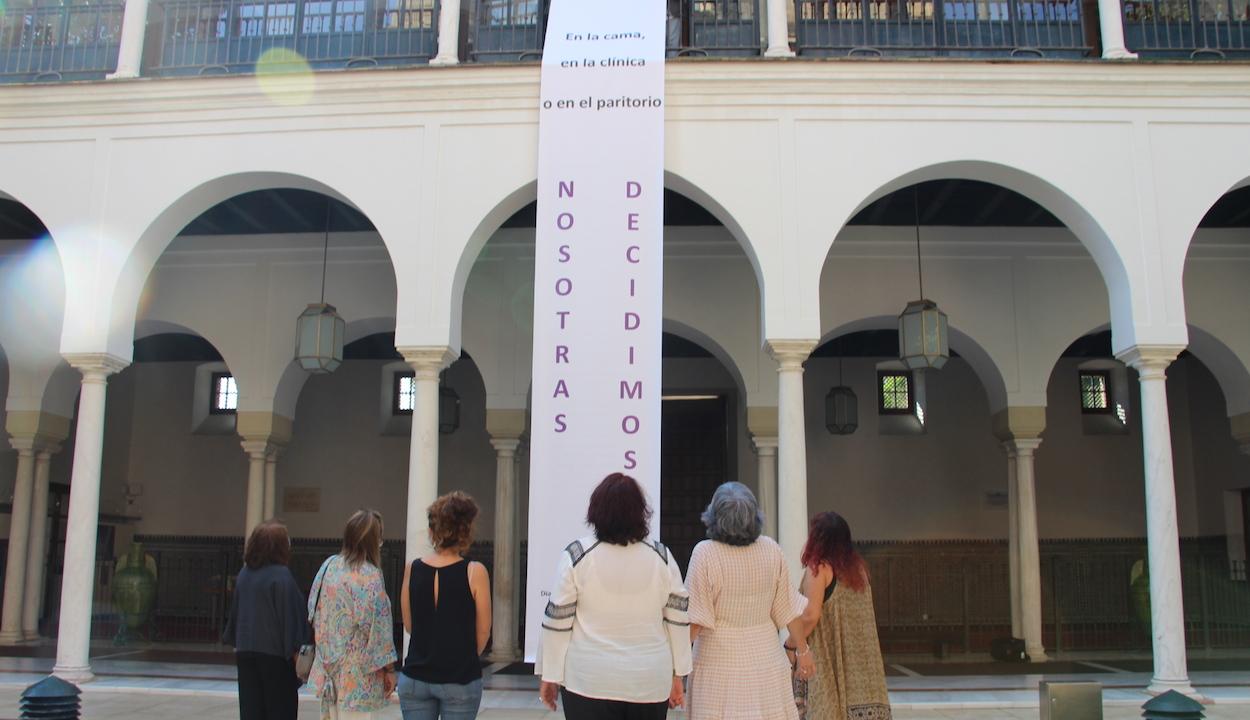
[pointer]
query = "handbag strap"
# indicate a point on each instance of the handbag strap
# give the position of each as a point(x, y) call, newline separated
point(321, 575)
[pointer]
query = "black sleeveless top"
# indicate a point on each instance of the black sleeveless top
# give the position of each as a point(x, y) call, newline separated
point(443, 648)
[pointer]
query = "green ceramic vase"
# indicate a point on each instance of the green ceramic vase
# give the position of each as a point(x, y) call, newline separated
point(134, 592)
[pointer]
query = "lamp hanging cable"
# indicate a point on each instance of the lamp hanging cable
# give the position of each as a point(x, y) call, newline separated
point(915, 199)
point(325, 253)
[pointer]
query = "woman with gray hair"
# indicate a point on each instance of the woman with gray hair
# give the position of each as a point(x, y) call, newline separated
point(741, 595)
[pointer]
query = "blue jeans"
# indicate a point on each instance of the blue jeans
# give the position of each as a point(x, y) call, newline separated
point(450, 701)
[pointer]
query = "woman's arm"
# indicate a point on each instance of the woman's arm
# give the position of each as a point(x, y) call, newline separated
point(813, 588)
point(479, 586)
point(405, 607)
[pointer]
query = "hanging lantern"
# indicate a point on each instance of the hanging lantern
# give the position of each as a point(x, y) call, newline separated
point(319, 339)
point(922, 337)
point(922, 334)
point(319, 330)
point(841, 411)
point(448, 410)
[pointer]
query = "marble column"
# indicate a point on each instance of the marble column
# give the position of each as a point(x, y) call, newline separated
point(766, 457)
point(270, 503)
point(74, 630)
point(1167, 614)
point(1111, 25)
point(426, 363)
point(778, 30)
point(19, 532)
point(1013, 541)
point(37, 548)
point(1029, 558)
point(448, 33)
point(791, 449)
point(504, 645)
point(257, 451)
point(134, 28)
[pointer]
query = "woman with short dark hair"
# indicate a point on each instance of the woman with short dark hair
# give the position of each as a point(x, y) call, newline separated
point(615, 632)
point(351, 615)
point(445, 602)
point(740, 597)
point(267, 625)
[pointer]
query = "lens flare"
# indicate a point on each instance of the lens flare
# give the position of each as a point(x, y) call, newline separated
point(33, 301)
point(285, 77)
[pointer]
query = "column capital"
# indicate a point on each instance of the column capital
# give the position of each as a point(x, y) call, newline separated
point(1020, 422)
point(95, 367)
point(505, 423)
point(505, 447)
point(1022, 447)
point(42, 429)
point(257, 449)
point(1150, 361)
point(262, 425)
point(428, 361)
point(790, 354)
point(764, 445)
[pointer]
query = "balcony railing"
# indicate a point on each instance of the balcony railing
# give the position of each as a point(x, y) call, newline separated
point(513, 30)
point(948, 28)
point(55, 41)
point(1199, 29)
point(221, 36)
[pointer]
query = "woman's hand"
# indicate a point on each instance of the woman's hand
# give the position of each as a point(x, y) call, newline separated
point(389, 681)
point(806, 666)
point(547, 693)
point(677, 696)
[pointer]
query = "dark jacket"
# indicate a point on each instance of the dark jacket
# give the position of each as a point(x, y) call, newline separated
point(268, 614)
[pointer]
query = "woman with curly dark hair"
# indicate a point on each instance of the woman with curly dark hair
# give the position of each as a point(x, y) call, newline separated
point(849, 681)
point(445, 602)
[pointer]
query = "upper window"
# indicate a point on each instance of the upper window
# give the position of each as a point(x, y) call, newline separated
point(1095, 391)
point(225, 394)
point(894, 393)
point(404, 396)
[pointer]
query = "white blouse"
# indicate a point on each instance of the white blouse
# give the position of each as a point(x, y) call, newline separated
point(616, 626)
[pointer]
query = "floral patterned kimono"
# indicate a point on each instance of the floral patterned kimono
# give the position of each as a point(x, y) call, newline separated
point(354, 635)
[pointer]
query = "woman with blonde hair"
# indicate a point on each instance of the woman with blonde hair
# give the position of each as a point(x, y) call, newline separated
point(351, 617)
point(445, 603)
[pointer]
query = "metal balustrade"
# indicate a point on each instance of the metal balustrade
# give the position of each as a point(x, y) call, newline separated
point(514, 30)
point(223, 36)
point(44, 41)
point(947, 28)
point(1198, 29)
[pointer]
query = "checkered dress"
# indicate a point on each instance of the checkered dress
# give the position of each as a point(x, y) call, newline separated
point(741, 597)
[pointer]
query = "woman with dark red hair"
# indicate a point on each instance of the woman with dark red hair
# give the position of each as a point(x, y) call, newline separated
point(849, 681)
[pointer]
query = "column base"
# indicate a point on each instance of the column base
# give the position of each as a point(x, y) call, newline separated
point(122, 75)
point(31, 636)
point(12, 637)
point(1037, 655)
point(77, 674)
point(508, 656)
point(779, 52)
point(1158, 687)
point(1118, 54)
point(444, 61)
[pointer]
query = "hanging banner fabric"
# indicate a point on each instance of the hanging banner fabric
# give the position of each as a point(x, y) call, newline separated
point(598, 272)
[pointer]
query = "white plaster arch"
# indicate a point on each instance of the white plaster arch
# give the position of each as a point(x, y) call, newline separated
point(986, 369)
point(673, 327)
point(1229, 370)
point(159, 220)
point(1094, 217)
point(32, 302)
point(521, 196)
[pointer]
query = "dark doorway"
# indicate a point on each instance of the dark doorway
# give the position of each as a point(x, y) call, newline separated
point(694, 457)
point(1245, 520)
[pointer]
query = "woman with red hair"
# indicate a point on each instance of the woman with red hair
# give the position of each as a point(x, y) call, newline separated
point(850, 677)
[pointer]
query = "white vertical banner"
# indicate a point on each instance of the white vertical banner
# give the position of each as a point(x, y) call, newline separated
point(598, 272)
